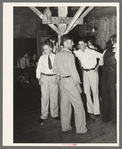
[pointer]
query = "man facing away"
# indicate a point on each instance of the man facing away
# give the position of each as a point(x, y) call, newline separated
point(47, 80)
point(64, 65)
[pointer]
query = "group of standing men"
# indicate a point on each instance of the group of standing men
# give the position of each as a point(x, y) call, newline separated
point(59, 71)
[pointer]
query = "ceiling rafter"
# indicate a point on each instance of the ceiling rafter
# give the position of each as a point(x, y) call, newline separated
point(41, 16)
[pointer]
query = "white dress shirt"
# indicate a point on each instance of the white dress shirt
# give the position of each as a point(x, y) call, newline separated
point(115, 49)
point(88, 58)
point(42, 66)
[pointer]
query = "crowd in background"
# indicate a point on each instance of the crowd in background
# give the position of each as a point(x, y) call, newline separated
point(25, 69)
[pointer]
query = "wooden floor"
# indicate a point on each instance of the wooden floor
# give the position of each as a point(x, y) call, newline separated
point(27, 130)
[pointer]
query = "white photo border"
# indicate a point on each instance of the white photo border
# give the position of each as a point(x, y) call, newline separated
point(8, 71)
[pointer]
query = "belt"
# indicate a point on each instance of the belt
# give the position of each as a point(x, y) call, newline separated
point(48, 74)
point(65, 76)
point(89, 69)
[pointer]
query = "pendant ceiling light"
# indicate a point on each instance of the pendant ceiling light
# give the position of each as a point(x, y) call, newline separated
point(93, 30)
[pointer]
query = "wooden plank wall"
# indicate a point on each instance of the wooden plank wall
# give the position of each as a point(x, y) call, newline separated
point(107, 27)
point(104, 26)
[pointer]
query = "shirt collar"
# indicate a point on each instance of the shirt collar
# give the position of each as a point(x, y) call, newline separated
point(115, 45)
point(85, 50)
point(65, 49)
point(50, 54)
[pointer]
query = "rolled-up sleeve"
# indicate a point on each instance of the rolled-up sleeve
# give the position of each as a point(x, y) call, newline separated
point(38, 69)
point(98, 54)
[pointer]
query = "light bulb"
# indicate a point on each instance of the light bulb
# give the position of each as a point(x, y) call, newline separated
point(93, 30)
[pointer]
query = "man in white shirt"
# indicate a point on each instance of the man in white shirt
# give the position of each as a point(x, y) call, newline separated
point(47, 80)
point(88, 59)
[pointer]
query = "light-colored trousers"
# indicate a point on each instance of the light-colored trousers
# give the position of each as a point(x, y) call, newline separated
point(71, 95)
point(49, 93)
point(91, 81)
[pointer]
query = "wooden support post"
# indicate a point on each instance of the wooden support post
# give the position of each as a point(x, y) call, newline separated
point(72, 27)
point(62, 20)
point(86, 12)
point(42, 16)
point(74, 19)
point(62, 12)
point(59, 42)
point(82, 17)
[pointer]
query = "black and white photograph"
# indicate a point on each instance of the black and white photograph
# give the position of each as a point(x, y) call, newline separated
point(60, 74)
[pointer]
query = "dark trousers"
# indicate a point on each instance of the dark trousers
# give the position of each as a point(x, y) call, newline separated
point(108, 96)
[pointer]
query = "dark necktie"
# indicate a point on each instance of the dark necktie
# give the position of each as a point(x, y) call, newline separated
point(49, 62)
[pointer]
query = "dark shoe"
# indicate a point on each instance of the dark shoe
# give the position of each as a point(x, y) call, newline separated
point(88, 131)
point(41, 121)
point(97, 116)
point(57, 118)
point(92, 116)
point(91, 119)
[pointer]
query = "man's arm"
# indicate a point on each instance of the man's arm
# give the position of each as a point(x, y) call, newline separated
point(98, 54)
point(100, 57)
point(38, 69)
point(101, 62)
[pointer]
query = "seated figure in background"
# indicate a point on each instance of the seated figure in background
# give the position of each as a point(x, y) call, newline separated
point(34, 63)
point(34, 60)
point(23, 64)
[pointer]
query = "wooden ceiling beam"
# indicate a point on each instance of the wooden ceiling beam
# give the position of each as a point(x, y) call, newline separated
point(86, 12)
point(63, 20)
point(41, 16)
point(82, 16)
point(74, 19)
